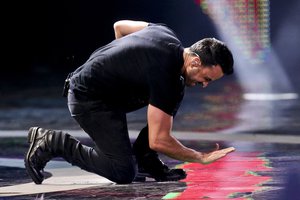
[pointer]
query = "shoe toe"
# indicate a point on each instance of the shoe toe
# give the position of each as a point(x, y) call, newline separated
point(36, 175)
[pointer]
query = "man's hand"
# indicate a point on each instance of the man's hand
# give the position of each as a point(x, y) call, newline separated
point(210, 157)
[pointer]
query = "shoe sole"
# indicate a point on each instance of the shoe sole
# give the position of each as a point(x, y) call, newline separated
point(30, 170)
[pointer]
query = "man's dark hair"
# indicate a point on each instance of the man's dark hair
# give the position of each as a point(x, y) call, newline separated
point(212, 52)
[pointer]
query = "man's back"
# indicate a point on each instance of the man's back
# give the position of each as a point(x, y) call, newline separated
point(133, 70)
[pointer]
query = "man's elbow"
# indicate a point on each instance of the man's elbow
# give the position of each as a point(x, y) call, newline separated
point(117, 25)
point(117, 29)
point(156, 146)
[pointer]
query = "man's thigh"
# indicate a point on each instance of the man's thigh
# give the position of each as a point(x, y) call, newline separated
point(107, 128)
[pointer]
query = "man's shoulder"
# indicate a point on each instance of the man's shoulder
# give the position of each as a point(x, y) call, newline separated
point(160, 26)
point(157, 24)
point(163, 29)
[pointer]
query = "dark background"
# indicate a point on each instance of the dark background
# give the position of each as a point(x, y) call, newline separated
point(44, 40)
point(50, 38)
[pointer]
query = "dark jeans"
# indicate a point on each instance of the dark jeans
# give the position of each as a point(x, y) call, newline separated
point(112, 156)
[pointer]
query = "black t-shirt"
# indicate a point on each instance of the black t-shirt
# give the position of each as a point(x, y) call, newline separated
point(136, 70)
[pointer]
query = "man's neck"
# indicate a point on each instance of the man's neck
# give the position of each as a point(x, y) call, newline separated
point(185, 58)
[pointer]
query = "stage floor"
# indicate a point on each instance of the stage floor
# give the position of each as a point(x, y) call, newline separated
point(265, 133)
point(256, 170)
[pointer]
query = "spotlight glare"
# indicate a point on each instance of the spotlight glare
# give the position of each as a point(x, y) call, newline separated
point(270, 96)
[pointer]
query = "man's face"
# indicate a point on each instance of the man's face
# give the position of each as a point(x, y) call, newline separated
point(203, 75)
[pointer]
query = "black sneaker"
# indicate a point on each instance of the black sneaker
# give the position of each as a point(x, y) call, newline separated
point(38, 154)
point(151, 166)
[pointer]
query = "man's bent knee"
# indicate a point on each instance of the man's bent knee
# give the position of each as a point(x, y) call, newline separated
point(125, 175)
point(124, 171)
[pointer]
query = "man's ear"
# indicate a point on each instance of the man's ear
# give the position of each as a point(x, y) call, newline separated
point(196, 62)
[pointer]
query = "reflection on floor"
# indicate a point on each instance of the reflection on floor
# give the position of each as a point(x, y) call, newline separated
point(254, 171)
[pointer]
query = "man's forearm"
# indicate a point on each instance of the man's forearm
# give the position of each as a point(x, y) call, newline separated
point(125, 27)
point(173, 148)
point(161, 140)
